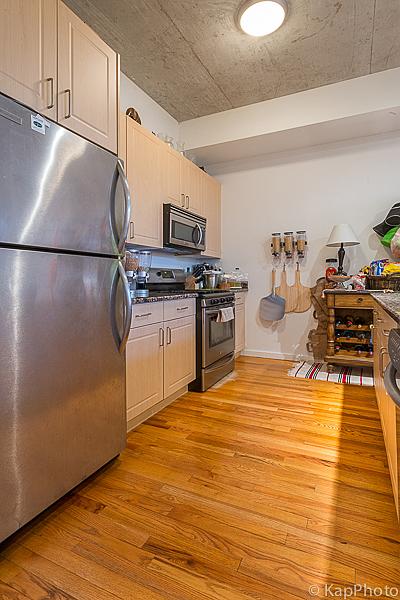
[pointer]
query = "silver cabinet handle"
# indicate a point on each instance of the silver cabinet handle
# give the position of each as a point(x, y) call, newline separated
point(187, 201)
point(183, 308)
point(161, 336)
point(68, 115)
point(127, 308)
point(131, 230)
point(143, 315)
point(127, 207)
point(169, 336)
point(386, 332)
point(183, 200)
point(51, 81)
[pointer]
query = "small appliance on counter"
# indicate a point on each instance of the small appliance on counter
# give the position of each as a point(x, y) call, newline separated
point(137, 267)
point(215, 325)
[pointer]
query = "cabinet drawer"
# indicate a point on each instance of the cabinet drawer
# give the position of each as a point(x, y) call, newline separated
point(240, 298)
point(147, 313)
point(174, 309)
point(354, 301)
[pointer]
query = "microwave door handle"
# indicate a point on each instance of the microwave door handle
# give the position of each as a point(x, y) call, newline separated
point(197, 228)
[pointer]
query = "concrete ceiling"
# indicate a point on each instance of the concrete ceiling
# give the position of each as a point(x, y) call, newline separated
point(190, 57)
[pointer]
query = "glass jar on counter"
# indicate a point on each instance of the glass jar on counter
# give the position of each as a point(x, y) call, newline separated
point(331, 264)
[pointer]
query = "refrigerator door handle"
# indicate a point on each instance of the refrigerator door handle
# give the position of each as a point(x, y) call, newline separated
point(127, 212)
point(127, 308)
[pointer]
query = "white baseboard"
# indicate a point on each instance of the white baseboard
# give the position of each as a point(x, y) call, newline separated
point(275, 355)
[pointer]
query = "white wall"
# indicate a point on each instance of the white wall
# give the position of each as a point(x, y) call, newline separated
point(313, 190)
point(153, 116)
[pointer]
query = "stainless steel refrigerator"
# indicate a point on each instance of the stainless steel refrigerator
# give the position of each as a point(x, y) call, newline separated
point(64, 311)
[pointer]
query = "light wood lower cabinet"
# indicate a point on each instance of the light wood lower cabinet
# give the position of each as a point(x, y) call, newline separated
point(240, 322)
point(144, 369)
point(160, 361)
point(179, 354)
point(87, 81)
point(383, 323)
point(28, 53)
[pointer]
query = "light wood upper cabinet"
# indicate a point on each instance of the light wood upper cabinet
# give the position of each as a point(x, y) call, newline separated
point(144, 369)
point(179, 354)
point(143, 169)
point(211, 192)
point(191, 186)
point(28, 53)
point(87, 81)
point(383, 323)
point(171, 173)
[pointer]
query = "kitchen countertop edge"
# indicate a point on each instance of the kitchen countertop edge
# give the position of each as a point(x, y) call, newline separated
point(166, 298)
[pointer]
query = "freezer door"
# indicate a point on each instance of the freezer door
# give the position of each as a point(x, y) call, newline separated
point(57, 190)
point(62, 376)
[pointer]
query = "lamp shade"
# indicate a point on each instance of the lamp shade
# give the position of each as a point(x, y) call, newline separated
point(342, 234)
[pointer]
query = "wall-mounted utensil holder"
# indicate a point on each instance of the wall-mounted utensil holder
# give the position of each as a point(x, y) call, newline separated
point(301, 243)
point(289, 245)
point(276, 245)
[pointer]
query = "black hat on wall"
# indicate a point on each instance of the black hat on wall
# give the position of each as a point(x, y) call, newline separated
point(392, 220)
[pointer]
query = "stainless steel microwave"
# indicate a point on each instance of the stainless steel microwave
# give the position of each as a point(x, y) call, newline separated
point(184, 230)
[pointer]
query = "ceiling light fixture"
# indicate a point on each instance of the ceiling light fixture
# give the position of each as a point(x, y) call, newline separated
point(258, 18)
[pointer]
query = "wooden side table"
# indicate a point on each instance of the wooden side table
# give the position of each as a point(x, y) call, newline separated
point(342, 304)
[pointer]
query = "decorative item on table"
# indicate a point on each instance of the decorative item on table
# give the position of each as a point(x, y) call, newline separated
point(133, 114)
point(342, 236)
point(395, 244)
point(340, 281)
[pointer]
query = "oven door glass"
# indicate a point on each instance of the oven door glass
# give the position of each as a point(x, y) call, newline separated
point(218, 338)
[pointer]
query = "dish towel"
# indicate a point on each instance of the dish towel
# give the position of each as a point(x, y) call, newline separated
point(225, 315)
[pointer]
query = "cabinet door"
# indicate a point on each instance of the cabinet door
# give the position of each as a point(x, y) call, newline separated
point(179, 354)
point(28, 53)
point(239, 328)
point(144, 175)
point(211, 189)
point(171, 172)
point(144, 369)
point(192, 186)
point(87, 81)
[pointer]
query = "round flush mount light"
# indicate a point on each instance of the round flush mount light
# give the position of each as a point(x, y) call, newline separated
point(259, 18)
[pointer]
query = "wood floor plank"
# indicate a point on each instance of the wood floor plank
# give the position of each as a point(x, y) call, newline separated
point(253, 490)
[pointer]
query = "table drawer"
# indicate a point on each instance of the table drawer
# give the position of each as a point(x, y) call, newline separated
point(147, 313)
point(354, 301)
point(174, 309)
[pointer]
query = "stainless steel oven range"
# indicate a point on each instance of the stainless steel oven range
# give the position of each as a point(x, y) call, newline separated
point(215, 339)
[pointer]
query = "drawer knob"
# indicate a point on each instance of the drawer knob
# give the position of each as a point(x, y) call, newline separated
point(359, 300)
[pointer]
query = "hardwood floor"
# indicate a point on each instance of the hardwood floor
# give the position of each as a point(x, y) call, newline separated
point(257, 489)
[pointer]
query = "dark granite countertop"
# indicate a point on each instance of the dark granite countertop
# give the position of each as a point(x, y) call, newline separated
point(390, 302)
point(166, 298)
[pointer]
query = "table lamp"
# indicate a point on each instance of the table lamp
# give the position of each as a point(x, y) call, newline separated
point(342, 235)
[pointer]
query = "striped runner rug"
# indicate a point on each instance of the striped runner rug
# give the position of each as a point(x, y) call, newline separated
point(336, 374)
